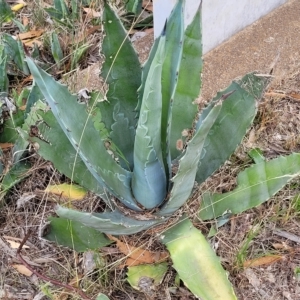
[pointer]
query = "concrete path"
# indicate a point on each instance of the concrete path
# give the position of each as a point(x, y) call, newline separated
point(275, 37)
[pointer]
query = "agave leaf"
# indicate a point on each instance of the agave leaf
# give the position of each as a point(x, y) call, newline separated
point(115, 222)
point(189, 76)
point(17, 173)
point(56, 49)
point(79, 128)
point(75, 9)
point(257, 155)
point(6, 14)
point(1, 163)
point(184, 179)
point(256, 185)
point(34, 96)
point(149, 181)
point(56, 15)
point(134, 6)
point(235, 118)
point(173, 53)
point(61, 6)
point(77, 54)
point(61, 154)
point(20, 147)
point(74, 235)
point(3, 70)
point(122, 72)
point(22, 28)
point(104, 133)
point(10, 134)
point(14, 50)
point(145, 71)
point(124, 134)
point(196, 263)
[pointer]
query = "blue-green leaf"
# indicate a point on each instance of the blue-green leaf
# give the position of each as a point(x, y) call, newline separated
point(56, 49)
point(237, 114)
point(74, 235)
point(184, 179)
point(188, 87)
point(79, 128)
point(122, 72)
point(62, 154)
point(115, 222)
point(256, 185)
point(149, 182)
point(3, 70)
point(170, 70)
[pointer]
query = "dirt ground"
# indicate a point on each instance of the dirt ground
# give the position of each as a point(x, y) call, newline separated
point(271, 230)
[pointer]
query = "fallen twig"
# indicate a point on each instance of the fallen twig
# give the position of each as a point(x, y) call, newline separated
point(43, 277)
point(287, 235)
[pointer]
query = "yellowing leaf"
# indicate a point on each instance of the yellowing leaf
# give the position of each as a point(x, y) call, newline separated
point(18, 6)
point(72, 192)
point(264, 260)
point(22, 270)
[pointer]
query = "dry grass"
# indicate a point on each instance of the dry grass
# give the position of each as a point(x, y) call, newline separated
point(247, 236)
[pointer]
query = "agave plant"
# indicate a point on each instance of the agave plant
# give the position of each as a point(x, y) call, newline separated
point(143, 145)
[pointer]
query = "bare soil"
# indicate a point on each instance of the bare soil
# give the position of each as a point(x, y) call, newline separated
point(271, 229)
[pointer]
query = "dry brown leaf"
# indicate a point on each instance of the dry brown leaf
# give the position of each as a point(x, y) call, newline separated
point(22, 270)
point(281, 246)
point(92, 13)
point(31, 37)
point(15, 245)
point(136, 255)
point(264, 260)
point(30, 34)
point(85, 34)
point(252, 139)
point(275, 94)
point(31, 43)
point(295, 95)
point(27, 79)
point(5, 146)
point(25, 20)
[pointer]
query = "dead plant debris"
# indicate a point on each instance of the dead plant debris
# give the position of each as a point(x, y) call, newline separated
point(260, 248)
